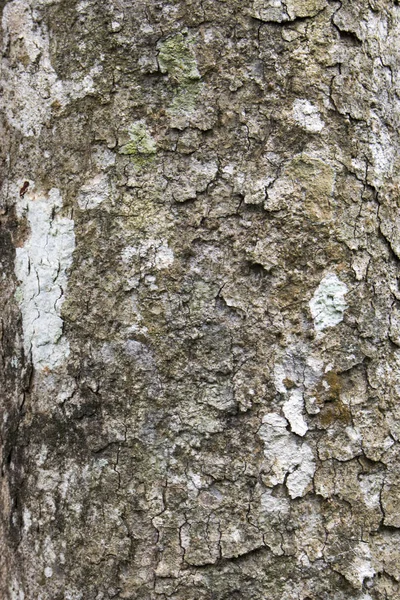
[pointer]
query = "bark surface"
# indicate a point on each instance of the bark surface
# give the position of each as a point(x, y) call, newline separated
point(200, 325)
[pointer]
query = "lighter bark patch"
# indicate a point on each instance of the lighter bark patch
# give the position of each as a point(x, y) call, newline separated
point(41, 266)
point(94, 192)
point(151, 253)
point(31, 73)
point(328, 304)
point(307, 115)
point(288, 460)
point(293, 411)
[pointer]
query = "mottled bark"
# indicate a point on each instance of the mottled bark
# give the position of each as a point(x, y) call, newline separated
point(200, 327)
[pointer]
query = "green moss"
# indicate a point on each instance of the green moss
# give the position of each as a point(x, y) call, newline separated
point(142, 145)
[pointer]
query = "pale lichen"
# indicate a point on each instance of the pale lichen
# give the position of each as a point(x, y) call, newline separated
point(142, 147)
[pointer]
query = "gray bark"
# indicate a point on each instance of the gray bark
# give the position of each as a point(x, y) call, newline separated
point(200, 328)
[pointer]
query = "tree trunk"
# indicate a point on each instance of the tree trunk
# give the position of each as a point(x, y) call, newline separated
point(200, 329)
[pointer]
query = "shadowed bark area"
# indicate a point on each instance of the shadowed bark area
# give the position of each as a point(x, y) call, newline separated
point(200, 324)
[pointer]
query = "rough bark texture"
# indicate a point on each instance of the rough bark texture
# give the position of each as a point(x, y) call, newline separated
point(200, 327)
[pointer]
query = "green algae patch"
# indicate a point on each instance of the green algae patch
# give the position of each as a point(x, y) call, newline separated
point(177, 58)
point(142, 146)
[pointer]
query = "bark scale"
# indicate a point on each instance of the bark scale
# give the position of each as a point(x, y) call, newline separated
point(200, 330)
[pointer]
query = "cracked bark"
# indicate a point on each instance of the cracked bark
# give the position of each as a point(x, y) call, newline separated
point(200, 329)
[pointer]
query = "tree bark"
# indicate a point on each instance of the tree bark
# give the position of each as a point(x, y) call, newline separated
point(200, 329)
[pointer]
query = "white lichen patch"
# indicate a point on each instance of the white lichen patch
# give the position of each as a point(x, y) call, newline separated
point(103, 158)
point(293, 411)
point(29, 70)
point(328, 303)
point(296, 374)
point(279, 378)
point(360, 265)
point(220, 397)
point(254, 189)
point(164, 257)
point(41, 266)
point(286, 457)
point(307, 115)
